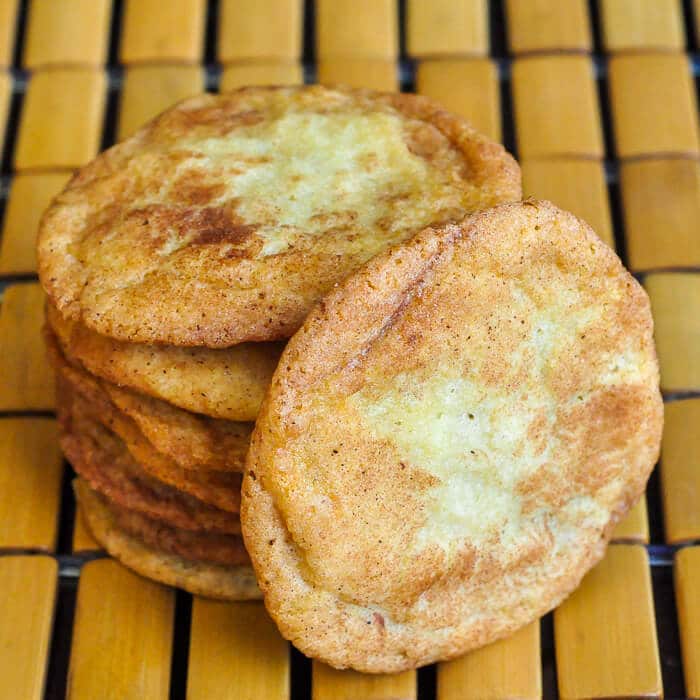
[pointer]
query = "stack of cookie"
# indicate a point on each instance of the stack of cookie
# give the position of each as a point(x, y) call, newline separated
point(159, 455)
point(178, 261)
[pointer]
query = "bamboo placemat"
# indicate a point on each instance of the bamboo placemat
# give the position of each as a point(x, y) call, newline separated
point(598, 101)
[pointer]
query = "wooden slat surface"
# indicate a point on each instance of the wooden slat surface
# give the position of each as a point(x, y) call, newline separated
point(675, 304)
point(236, 652)
point(330, 684)
point(447, 28)
point(153, 30)
point(548, 25)
point(75, 99)
point(634, 527)
point(680, 470)
point(575, 185)
point(122, 635)
point(260, 30)
point(510, 668)
point(687, 578)
point(373, 73)
point(61, 32)
point(30, 194)
point(26, 381)
point(653, 104)
point(661, 200)
point(605, 633)
point(27, 600)
point(239, 75)
point(556, 107)
point(5, 97)
point(356, 28)
point(149, 89)
point(468, 87)
point(8, 28)
point(642, 24)
point(31, 467)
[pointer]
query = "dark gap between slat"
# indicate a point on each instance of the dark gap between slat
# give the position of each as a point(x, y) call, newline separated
point(601, 70)
point(115, 31)
point(655, 509)
point(507, 115)
point(211, 32)
point(111, 116)
point(181, 645)
point(596, 27)
point(667, 631)
point(20, 32)
point(66, 510)
point(407, 75)
point(12, 126)
point(309, 36)
point(427, 682)
point(691, 40)
point(498, 29)
point(550, 689)
point(59, 658)
point(403, 50)
point(300, 675)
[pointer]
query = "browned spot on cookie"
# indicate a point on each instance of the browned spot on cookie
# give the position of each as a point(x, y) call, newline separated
point(194, 188)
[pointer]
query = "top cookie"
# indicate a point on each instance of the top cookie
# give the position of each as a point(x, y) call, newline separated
point(225, 218)
point(450, 438)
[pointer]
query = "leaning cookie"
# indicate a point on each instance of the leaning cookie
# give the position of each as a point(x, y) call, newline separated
point(199, 578)
point(450, 439)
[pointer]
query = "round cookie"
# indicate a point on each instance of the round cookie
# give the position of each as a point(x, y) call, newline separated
point(199, 578)
point(228, 383)
point(450, 439)
point(228, 216)
point(194, 442)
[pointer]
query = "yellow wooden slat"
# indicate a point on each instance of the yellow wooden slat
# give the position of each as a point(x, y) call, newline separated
point(83, 540)
point(661, 200)
point(686, 576)
point(260, 30)
point(30, 194)
point(548, 25)
point(374, 73)
point(605, 633)
point(680, 470)
point(576, 185)
point(31, 467)
point(122, 635)
point(8, 29)
point(654, 106)
point(149, 89)
point(356, 28)
point(27, 599)
point(64, 32)
point(634, 527)
point(5, 97)
point(509, 668)
point(236, 652)
point(153, 30)
point(240, 75)
point(675, 303)
point(330, 684)
point(26, 381)
point(468, 87)
point(642, 24)
point(556, 107)
point(75, 100)
point(447, 28)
